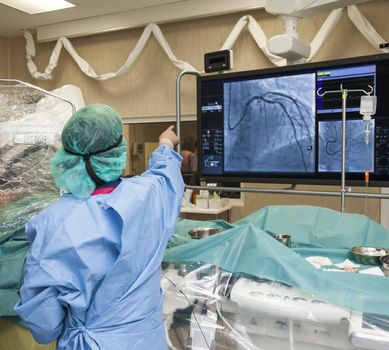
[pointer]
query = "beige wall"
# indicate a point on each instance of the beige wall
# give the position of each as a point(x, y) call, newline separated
point(141, 133)
point(149, 88)
point(253, 202)
point(4, 62)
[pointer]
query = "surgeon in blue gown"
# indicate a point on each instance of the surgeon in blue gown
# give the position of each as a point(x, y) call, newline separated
point(92, 275)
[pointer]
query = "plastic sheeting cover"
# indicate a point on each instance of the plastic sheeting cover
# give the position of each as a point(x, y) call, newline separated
point(30, 127)
point(209, 308)
point(248, 248)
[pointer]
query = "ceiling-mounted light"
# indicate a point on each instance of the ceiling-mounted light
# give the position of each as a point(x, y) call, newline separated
point(37, 6)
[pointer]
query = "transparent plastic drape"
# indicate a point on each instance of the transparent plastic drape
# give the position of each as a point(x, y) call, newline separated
point(209, 308)
point(243, 289)
point(30, 127)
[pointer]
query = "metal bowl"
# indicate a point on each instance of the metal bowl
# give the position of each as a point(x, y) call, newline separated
point(368, 255)
point(201, 232)
point(385, 264)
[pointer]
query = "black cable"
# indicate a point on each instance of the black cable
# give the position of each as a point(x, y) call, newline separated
point(179, 289)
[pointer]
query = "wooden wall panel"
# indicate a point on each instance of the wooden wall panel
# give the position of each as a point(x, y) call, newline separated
point(253, 202)
point(149, 88)
point(4, 62)
point(142, 133)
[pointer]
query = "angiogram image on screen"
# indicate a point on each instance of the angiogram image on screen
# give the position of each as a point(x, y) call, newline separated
point(359, 155)
point(269, 124)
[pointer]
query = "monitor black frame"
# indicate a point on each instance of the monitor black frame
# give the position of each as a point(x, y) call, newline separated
point(277, 178)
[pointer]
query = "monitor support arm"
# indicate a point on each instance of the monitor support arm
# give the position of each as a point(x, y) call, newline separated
point(306, 8)
point(288, 45)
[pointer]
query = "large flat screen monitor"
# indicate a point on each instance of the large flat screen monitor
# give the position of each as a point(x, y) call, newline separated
point(270, 125)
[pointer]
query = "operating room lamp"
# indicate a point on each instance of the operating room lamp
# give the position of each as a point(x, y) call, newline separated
point(288, 45)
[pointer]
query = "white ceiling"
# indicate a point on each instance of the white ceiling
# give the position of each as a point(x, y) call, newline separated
point(12, 21)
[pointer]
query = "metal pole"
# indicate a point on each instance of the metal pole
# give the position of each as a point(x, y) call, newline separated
point(290, 191)
point(178, 103)
point(344, 93)
point(41, 90)
point(343, 180)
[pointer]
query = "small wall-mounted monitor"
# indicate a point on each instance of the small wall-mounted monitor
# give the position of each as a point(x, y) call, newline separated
point(271, 126)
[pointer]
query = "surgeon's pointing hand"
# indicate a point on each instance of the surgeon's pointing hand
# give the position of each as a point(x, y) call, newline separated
point(169, 137)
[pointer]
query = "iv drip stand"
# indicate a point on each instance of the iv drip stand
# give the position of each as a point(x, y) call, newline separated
point(344, 93)
point(262, 190)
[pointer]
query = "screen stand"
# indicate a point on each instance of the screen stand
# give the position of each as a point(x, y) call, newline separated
point(178, 103)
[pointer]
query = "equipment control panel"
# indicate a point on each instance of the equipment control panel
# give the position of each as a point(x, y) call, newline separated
point(280, 300)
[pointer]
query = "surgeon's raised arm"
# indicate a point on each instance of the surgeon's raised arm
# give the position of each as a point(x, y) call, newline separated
point(165, 163)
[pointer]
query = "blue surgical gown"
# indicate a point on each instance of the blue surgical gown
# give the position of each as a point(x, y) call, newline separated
point(92, 275)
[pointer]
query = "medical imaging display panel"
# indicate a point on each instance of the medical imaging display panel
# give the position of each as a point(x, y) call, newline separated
point(271, 125)
point(359, 155)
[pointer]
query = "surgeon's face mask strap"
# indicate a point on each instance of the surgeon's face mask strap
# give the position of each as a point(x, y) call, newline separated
point(91, 172)
point(87, 157)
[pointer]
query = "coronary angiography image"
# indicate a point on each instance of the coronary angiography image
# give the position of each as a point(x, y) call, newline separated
point(359, 155)
point(269, 124)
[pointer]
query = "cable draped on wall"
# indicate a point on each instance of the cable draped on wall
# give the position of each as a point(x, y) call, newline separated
point(256, 31)
point(366, 29)
point(258, 35)
point(86, 68)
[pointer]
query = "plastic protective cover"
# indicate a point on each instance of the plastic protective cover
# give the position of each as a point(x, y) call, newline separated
point(242, 289)
point(30, 128)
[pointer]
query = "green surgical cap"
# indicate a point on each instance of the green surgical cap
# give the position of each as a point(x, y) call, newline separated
point(91, 129)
